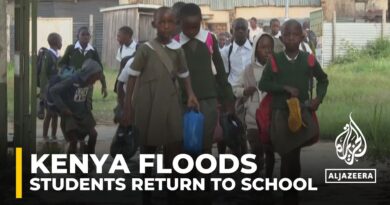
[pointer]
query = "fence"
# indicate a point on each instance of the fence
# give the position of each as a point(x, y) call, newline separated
point(338, 37)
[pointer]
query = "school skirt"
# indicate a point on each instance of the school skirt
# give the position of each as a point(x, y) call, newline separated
point(283, 140)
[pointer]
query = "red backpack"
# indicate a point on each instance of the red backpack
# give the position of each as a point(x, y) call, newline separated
point(264, 112)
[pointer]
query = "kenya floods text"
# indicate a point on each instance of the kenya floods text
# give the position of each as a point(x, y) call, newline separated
point(62, 164)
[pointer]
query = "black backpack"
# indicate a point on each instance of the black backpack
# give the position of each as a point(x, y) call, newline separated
point(122, 65)
point(41, 55)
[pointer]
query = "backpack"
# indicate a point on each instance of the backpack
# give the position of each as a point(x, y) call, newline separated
point(264, 112)
point(39, 64)
point(64, 73)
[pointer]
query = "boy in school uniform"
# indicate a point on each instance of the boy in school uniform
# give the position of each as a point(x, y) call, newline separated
point(69, 97)
point(276, 34)
point(291, 79)
point(127, 45)
point(77, 53)
point(153, 90)
point(238, 55)
point(50, 69)
point(201, 50)
point(125, 53)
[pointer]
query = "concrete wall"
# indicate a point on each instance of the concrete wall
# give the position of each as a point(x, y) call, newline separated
point(62, 26)
point(274, 12)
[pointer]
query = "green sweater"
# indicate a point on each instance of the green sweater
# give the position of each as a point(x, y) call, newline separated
point(205, 84)
point(296, 74)
point(73, 57)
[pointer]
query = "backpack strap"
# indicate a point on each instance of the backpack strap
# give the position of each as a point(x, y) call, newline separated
point(274, 65)
point(229, 54)
point(311, 62)
point(210, 43)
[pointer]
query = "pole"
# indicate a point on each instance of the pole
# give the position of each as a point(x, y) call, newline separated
point(3, 84)
point(286, 9)
point(91, 28)
point(334, 36)
point(33, 99)
point(18, 111)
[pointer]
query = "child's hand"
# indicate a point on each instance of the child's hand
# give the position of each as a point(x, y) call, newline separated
point(293, 91)
point(314, 104)
point(104, 92)
point(66, 112)
point(249, 91)
point(193, 102)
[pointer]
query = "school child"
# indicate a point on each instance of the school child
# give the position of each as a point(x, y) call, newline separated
point(238, 55)
point(275, 32)
point(246, 89)
point(125, 52)
point(69, 96)
point(201, 50)
point(221, 40)
point(48, 70)
point(127, 44)
point(77, 53)
point(153, 90)
point(290, 77)
point(254, 29)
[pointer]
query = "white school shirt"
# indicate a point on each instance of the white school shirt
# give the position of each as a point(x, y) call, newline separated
point(126, 50)
point(239, 59)
point(88, 48)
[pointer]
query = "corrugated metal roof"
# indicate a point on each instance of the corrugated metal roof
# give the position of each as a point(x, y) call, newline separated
point(231, 4)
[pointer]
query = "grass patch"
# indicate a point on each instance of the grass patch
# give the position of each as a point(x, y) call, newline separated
point(362, 87)
point(102, 108)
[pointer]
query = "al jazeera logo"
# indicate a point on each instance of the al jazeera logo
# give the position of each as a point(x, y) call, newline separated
point(350, 147)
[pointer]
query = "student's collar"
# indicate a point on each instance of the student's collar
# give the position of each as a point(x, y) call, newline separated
point(259, 64)
point(246, 45)
point(173, 45)
point(201, 36)
point(278, 35)
point(132, 45)
point(78, 46)
point(55, 52)
point(291, 59)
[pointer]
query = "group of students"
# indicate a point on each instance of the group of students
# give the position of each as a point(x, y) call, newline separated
point(186, 66)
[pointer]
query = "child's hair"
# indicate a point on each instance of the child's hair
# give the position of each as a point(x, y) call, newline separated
point(239, 21)
point(159, 11)
point(265, 36)
point(190, 9)
point(254, 19)
point(177, 7)
point(126, 30)
point(274, 20)
point(53, 38)
point(291, 23)
point(82, 29)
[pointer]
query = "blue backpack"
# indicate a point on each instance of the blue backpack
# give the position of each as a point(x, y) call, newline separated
point(193, 132)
